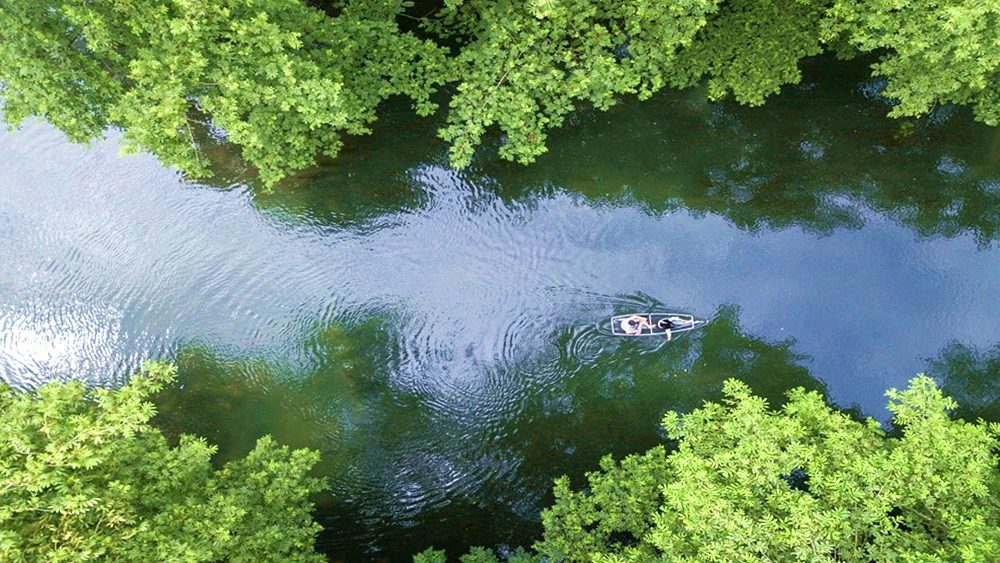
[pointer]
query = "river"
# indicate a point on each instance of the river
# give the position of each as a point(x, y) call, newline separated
point(432, 331)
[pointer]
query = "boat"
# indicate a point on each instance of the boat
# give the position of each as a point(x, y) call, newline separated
point(657, 324)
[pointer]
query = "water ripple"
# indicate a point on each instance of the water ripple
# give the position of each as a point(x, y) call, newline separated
point(477, 311)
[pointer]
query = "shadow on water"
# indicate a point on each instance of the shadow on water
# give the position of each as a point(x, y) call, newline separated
point(407, 470)
point(367, 178)
point(814, 157)
point(971, 376)
point(811, 158)
point(233, 401)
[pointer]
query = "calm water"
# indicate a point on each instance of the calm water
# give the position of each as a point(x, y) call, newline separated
point(432, 331)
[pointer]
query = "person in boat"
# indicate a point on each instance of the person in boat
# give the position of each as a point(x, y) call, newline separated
point(668, 323)
point(635, 324)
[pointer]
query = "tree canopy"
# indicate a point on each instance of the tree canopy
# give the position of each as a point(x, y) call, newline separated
point(283, 80)
point(806, 483)
point(84, 476)
point(286, 80)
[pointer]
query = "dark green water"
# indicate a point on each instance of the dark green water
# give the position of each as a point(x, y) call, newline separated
point(432, 331)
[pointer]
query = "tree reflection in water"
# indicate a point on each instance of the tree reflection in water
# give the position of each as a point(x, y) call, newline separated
point(411, 467)
point(233, 401)
point(971, 376)
point(380, 439)
point(819, 157)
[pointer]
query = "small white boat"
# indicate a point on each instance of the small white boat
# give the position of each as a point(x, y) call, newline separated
point(650, 324)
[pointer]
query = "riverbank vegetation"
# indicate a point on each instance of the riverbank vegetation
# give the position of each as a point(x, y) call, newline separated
point(803, 483)
point(84, 476)
point(287, 80)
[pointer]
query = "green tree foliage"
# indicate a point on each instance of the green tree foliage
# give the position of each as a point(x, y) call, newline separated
point(525, 64)
point(476, 555)
point(283, 80)
point(934, 52)
point(751, 48)
point(83, 476)
point(806, 483)
point(286, 81)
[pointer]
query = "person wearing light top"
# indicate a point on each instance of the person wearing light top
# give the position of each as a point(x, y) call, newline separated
point(635, 324)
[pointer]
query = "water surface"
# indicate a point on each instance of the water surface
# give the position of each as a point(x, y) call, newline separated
point(432, 331)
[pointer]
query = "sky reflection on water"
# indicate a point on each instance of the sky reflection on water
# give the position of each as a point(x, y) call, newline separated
point(138, 263)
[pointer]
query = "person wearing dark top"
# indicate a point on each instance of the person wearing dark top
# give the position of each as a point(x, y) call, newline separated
point(668, 323)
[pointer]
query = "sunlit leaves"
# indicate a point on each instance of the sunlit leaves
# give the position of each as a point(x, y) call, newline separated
point(933, 52)
point(84, 476)
point(525, 66)
point(751, 48)
point(286, 81)
point(806, 483)
point(282, 80)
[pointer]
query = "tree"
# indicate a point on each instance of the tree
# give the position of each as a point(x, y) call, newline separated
point(84, 476)
point(286, 81)
point(932, 53)
point(523, 66)
point(805, 483)
point(751, 48)
point(282, 80)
